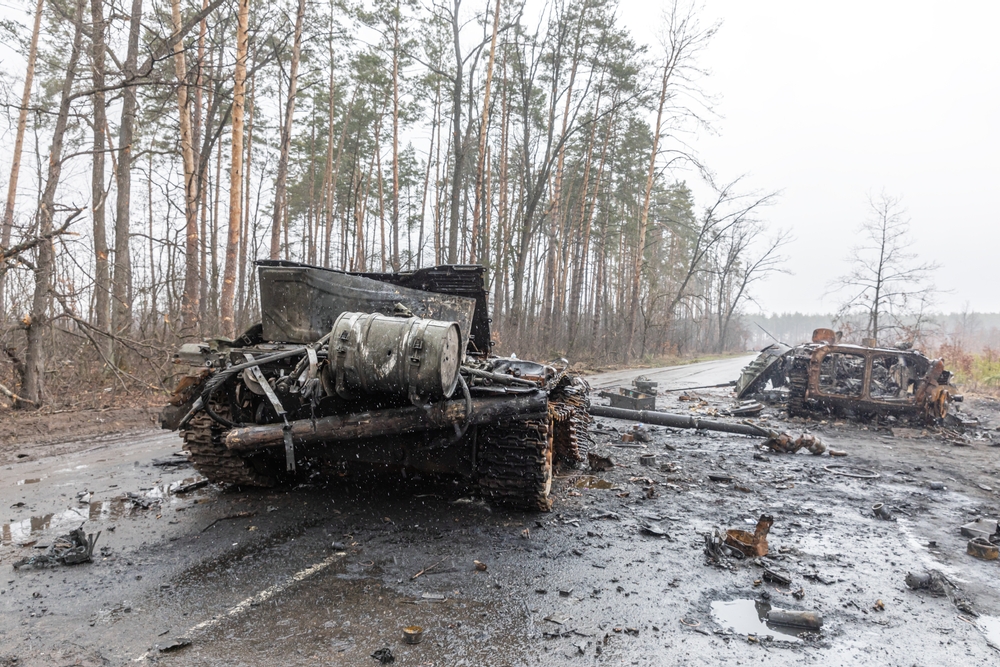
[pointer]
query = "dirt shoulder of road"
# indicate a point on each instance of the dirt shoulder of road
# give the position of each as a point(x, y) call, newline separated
point(25, 435)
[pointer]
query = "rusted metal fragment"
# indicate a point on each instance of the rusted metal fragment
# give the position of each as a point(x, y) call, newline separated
point(754, 544)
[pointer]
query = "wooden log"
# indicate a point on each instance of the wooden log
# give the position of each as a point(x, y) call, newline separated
point(387, 422)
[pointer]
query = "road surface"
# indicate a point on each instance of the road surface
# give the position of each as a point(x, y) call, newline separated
point(331, 572)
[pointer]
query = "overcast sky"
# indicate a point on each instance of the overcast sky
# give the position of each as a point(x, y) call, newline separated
point(828, 102)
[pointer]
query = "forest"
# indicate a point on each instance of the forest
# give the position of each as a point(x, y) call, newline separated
point(158, 149)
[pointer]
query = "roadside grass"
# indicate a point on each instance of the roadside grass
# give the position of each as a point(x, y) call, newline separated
point(978, 372)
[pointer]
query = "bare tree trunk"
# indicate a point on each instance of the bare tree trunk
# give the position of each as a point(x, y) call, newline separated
point(644, 213)
point(458, 145)
point(236, 171)
point(98, 191)
point(37, 322)
point(587, 218)
point(244, 236)
point(335, 177)
point(15, 167)
point(121, 286)
point(192, 289)
point(395, 139)
point(482, 135)
point(202, 192)
point(435, 130)
point(280, 193)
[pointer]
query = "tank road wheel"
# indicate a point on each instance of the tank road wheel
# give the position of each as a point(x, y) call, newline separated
point(515, 463)
point(203, 439)
point(798, 383)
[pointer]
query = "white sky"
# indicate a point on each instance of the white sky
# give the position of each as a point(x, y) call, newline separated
point(830, 101)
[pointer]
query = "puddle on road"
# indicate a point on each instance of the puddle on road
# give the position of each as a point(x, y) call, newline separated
point(990, 627)
point(18, 532)
point(747, 617)
point(592, 482)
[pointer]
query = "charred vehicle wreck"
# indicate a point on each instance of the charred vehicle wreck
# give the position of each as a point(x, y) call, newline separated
point(828, 377)
point(377, 369)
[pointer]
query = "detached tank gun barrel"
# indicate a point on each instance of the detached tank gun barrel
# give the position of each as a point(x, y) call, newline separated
point(390, 421)
point(676, 421)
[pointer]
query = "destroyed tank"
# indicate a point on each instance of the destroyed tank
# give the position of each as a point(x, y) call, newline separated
point(390, 370)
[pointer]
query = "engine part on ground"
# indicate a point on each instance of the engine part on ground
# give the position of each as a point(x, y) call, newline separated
point(677, 421)
point(630, 399)
point(753, 545)
point(374, 390)
point(413, 357)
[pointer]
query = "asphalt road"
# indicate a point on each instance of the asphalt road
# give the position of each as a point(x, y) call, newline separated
point(331, 572)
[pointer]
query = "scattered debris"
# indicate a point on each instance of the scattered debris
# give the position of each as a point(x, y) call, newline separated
point(851, 471)
point(796, 619)
point(982, 548)
point(176, 460)
point(479, 566)
point(630, 399)
point(938, 585)
point(384, 656)
point(645, 385)
point(238, 515)
point(413, 634)
point(655, 529)
point(428, 569)
point(599, 463)
point(70, 549)
point(745, 409)
point(193, 486)
point(647, 460)
point(786, 443)
point(173, 645)
point(776, 577)
point(937, 486)
point(751, 544)
point(980, 528)
point(882, 512)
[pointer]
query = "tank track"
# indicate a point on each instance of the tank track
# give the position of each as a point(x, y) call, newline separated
point(568, 405)
point(515, 463)
point(209, 455)
point(798, 384)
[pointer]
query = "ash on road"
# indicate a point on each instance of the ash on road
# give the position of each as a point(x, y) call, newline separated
point(325, 573)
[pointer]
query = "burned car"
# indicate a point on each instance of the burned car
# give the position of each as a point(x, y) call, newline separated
point(826, 376)
point(392, 370)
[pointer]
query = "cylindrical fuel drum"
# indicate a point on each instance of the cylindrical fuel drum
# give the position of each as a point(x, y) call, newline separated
point(372, 353)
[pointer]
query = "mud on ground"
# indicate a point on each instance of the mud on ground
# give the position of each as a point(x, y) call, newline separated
point(325, 573)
